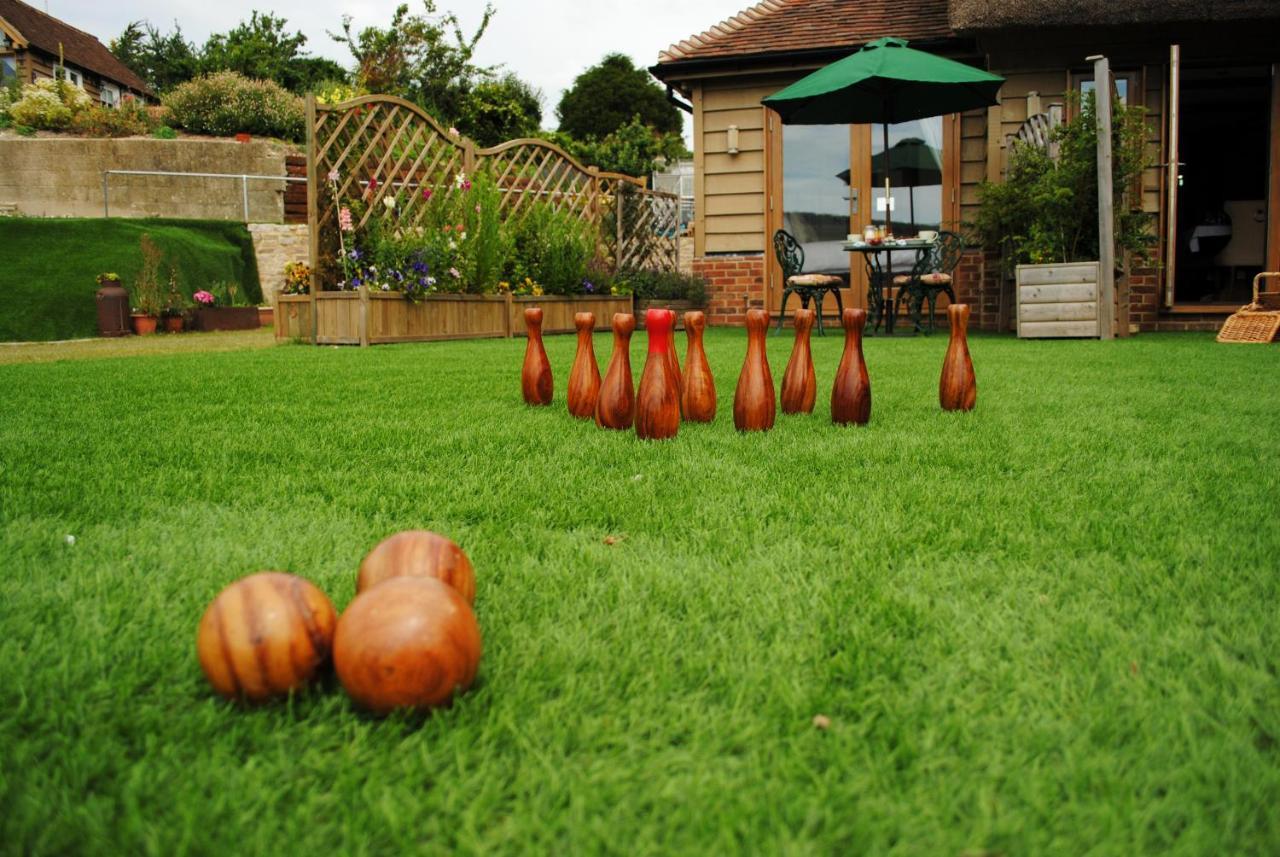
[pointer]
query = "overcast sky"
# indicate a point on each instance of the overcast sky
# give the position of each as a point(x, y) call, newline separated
point(546, 42)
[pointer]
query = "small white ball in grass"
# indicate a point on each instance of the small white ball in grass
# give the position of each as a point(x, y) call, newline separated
point(69, 539)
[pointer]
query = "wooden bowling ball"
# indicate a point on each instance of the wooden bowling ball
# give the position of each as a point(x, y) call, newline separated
point(418, 553)
point(265, 635)
point(409, 642)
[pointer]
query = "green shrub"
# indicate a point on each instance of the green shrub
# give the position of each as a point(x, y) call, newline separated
point(226, 103)
point(164, 132)
point(553, 248)
point(48, 105)
point(127, 120)
point(662, 286)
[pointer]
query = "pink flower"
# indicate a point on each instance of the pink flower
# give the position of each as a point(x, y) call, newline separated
point(477, 208)
point(333, 175)
point(344, 220)
point(453, 132)
point(426, 193)
point(459, 227)
point(453, 272)
point(446, 228)
point(466, 185)
point(373, 184)
point(204, 298)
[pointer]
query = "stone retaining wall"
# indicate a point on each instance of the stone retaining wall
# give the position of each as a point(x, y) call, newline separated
point(275, 244)
point(62, 177)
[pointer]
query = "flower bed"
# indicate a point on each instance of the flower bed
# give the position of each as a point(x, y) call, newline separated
point(365, 317)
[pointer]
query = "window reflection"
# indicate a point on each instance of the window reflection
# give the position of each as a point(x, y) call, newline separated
point(815, 193)
point(915, 175)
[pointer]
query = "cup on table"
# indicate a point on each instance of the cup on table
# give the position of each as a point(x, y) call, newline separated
point(927, 235)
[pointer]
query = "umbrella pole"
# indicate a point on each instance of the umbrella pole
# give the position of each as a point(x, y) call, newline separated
point(888, 200)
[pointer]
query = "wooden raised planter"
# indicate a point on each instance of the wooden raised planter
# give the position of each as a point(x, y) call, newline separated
point(227, 318)
point(678, 307)
point(371, 318)
point(1057, 301)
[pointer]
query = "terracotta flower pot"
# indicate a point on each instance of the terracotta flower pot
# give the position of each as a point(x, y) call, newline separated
point(144, 325)
point(173, 324)
point(243, 137)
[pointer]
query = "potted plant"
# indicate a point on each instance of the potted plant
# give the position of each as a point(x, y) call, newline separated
point(1044, 217)
point(145, 295)
point(174, 312)
point(221, 308)
point(671, 290)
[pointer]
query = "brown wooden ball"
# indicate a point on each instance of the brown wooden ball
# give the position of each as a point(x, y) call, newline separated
point(409, 642)
point(265, 635)
point(418, 553)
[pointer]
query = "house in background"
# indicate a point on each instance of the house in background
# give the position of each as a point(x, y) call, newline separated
point(1206, 72)
point(34, 45)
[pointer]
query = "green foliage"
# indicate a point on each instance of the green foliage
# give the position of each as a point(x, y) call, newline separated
point(164, 132)
point(500, 109)
point(48, 104)
point(129, 119)
point(227, 103)
point(145, 292)
point(607, 96)
point(1047, 211)
point(423, 58)
point(551, 247)
point(634, 149)
point(48, 293)
point(663, 285)
point(262, 49)
point(162, 60)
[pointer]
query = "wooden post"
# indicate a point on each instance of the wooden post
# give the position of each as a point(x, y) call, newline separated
point(506, 310)
point(1106, 210)
point(313, 211)
point(364, 316)
point(618, 208)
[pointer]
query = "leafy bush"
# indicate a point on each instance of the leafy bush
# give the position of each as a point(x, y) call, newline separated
point(1046, 210)
point(226, 103)
point(127, 120)
point(164, 132)
point(48, 105)
point(145, 292)
point(663, 286)
point(552, 247)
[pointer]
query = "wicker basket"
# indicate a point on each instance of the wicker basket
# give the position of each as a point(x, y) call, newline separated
point(1257, 322)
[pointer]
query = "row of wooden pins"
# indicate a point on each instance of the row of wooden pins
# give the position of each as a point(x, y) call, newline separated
point(667, 394)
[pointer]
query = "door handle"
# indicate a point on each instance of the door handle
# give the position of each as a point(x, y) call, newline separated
point(853, 200)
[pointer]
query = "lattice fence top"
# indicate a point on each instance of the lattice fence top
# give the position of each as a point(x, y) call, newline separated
point(377, 145)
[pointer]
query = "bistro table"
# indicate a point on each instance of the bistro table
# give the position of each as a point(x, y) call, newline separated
point(879, 261)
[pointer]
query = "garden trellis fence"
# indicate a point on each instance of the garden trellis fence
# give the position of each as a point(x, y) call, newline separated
point(378, 145)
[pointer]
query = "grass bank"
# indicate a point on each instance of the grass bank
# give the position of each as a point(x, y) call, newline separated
point(1045, 627)
point(47, 282)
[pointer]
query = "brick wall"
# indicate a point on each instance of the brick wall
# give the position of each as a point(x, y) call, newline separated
point(979, 283)
point(735, 283)
point(1144, 299)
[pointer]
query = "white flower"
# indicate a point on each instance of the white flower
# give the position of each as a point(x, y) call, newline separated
point(333, 175)
point(389, 201)
point(463, 236)
point(460, 179)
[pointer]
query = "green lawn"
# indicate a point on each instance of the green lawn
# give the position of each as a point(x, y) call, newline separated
point(47, 280)
point(1045, 627)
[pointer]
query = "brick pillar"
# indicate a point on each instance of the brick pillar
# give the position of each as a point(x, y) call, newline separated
point(735, 283)
point(1144, 298)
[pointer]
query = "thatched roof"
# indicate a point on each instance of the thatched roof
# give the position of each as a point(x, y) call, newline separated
point(975, 15)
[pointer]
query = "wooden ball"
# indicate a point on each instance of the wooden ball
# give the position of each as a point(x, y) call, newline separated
point(265, 635)
point(409, 642)
point(418, 553)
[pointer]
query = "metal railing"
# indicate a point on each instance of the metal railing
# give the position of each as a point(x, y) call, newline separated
point(244, 178)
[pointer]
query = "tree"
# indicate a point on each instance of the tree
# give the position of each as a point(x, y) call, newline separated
point(163, 61)
point(635, 149)
point(423, 58)
point(501, 109)
point(262, 49)
point(606, 96)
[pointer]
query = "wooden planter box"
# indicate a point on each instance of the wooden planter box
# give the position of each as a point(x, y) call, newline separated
point(679, 307)
point(371, 318)
point(227, 318)
point(1055, 301)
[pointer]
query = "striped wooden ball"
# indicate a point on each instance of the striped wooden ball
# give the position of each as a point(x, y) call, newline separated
point(265, 635)
point(418, 553)
point(410, 642)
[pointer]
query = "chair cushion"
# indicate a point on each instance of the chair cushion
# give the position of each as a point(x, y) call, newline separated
point(814, 280)
point(936, 279)
point(901, 279)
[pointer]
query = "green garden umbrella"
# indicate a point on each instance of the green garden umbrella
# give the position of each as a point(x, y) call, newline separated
point(885, 82)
